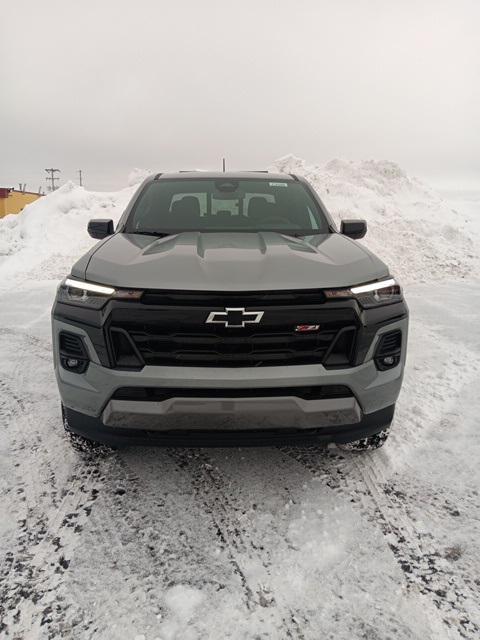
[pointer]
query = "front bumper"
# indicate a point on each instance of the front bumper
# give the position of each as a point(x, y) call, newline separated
point(94, 429)
point(90, 395)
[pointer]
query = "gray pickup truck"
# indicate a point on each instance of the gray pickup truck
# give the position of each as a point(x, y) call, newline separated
point(228, 309)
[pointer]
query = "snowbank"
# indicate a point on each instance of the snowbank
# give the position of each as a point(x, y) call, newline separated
point(55, 226)
point(136, 176)
point(411, 227)
point(416, 232)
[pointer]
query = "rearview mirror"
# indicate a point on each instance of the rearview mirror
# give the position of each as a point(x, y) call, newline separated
point(354, 228)
point(100, 228)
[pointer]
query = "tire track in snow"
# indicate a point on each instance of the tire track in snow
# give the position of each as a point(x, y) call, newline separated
point(43, 555)
point(417, 554)
point(12, 407)
point(18, 410)
point(362, 479)
point(11, 404)
point(151, 533)
point(106, 524)
point(299, 539)
point(238, 542)
point(216, 510)
point(43, 347)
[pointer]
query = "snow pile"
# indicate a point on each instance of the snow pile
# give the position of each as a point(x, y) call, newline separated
point(55, 226)
point(136, 176)
point(410, 226)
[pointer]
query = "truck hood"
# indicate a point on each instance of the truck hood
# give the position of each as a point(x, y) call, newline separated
point(229, 262)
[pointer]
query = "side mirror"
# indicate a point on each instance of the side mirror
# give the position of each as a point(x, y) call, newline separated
point(354, 228)
point(100, 228)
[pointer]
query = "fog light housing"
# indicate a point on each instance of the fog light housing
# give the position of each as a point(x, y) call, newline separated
point(389, 361)
point(73, 353)
point(388, 351)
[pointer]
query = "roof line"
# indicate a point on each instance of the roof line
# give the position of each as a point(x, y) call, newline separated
point(10, 189)
point(228, 175)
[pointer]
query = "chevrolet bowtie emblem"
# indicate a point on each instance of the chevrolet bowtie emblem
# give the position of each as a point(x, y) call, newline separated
point(234, 318)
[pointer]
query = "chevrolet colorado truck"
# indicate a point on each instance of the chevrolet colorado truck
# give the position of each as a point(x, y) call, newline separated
point(228, 309)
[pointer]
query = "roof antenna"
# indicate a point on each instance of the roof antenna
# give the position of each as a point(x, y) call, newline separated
point(223, 163)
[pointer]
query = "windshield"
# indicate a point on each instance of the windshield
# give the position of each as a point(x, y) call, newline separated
point(226, 204)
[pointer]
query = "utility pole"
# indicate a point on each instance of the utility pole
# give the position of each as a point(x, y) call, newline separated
point(52, 177)
point(223, 163)
point(80, 177)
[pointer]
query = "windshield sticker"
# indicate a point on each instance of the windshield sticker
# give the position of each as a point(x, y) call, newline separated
point(278, 184)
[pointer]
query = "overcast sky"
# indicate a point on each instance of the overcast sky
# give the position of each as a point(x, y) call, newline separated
point(110, 85)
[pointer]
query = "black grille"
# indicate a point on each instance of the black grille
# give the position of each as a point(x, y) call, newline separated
point(159, 394)
point(216, 299)
point(176, 333)
point(238, 347)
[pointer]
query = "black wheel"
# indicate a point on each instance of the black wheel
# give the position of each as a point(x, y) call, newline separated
point(369, 443)
point(84, 445)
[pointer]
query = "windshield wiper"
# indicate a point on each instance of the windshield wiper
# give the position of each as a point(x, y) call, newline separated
point(303, 234)
point(158, 234)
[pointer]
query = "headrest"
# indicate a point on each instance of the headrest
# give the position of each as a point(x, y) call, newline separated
point(259, 209)
point(186, 207)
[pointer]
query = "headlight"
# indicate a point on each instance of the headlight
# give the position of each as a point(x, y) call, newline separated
point(372, 294)
point(92, 295)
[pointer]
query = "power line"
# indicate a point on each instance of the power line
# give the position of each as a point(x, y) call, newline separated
point(52, 177)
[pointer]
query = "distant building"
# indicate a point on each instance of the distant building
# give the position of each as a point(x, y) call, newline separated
point(13, 200)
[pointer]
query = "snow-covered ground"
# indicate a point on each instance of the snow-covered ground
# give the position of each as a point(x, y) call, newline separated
point(305, 542)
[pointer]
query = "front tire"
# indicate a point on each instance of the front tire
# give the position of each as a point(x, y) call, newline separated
point(84, 445)
point(370, 443)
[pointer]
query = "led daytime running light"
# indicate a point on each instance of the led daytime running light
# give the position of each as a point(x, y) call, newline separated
point(373, 286)
point(89, 286)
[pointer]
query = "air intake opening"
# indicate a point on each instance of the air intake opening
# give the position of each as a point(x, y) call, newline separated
point(159, 394)
point(341, 349)
point(125, 352)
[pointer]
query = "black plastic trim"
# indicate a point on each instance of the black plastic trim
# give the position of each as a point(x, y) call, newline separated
point(68, 353)
point(354, 229)
point(383, 351)
point(94, 429)
point(100, 228)
point(372, 321)
point(135, 352)
point(159, 394)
